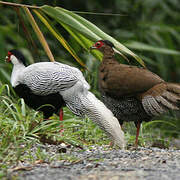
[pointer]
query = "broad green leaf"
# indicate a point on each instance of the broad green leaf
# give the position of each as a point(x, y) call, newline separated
point(96, 30)
point(88, 44)
point(61, 16)
point(103, 35)
point(84, 27)
point(82, 40)
point(39, 34)
point(141, 46)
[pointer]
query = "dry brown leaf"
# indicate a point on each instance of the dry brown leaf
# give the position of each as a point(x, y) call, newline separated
point(24, 168)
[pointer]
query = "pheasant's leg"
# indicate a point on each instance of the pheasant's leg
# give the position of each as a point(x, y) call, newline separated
point(61, 119)
point(138, 125)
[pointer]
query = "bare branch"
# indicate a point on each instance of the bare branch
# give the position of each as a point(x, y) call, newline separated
point(19, 5)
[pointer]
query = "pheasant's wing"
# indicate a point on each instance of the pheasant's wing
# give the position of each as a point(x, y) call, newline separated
point(161, 98)
point(120, 80)
point(46, 78)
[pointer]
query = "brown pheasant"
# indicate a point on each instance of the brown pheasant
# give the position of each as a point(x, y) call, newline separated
point(132, 93)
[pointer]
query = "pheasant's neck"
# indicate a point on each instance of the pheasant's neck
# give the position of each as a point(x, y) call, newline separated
point(16, 74)
point(108, 56)
point(107, 59)
point(108, 53)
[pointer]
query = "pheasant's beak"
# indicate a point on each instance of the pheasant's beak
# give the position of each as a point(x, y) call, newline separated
point(92, 47)
point(7, 59)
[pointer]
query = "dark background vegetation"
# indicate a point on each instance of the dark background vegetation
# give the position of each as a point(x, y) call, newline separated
point(150, 28)
point(155, 23)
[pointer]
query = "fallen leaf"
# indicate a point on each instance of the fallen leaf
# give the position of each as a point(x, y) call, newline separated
point(24, 168)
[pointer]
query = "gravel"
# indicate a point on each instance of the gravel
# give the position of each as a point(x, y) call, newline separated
point(103, 163)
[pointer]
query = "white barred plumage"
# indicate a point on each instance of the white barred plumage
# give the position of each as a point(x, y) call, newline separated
point(46, 78)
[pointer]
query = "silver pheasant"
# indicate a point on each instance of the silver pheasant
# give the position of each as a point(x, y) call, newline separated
point(46, 78)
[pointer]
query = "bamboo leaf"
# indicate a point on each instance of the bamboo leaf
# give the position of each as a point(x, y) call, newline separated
point(60, 38)
point(86, 28)
point(39, 34)
point(88, 44)
point(82, 40)
point(65, 18)
point(96, 30)
point(141, 46)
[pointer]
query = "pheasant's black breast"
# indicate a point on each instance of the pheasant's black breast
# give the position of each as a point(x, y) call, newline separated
point(48, 104)
point(126, 108)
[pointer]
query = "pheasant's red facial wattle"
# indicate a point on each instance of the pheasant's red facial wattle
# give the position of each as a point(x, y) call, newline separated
point(8, 57)
point(97, 45)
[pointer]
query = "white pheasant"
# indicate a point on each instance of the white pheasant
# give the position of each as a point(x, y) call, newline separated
point(45, 79)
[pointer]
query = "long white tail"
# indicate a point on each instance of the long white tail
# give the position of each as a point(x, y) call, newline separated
point(82, 102)
point(103, 117)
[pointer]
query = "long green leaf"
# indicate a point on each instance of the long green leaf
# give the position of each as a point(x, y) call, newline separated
point(61, 16)
point(82, 40)
point(141, 46)
point(98, 31)
point(84, 27)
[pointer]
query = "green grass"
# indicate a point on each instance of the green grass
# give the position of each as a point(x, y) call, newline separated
point(21, 128)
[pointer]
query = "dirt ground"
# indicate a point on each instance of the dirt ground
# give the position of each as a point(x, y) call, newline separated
point(101, 163)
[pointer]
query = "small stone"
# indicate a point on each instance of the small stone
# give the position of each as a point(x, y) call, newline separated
point(62, 150)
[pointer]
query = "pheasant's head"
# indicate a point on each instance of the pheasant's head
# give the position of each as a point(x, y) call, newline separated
point(103, 45)
point(15, 57)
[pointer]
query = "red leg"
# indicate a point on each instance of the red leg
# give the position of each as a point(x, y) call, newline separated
point(137, 133)
point(61, 119)
point(61, 115)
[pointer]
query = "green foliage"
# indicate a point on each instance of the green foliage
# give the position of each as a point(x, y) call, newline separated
point(21, 127)
point(85, 31)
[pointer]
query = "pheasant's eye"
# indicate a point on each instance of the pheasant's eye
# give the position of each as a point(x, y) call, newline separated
point(98, 44)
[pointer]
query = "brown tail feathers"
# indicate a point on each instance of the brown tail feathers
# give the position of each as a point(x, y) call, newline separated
point(161, 98)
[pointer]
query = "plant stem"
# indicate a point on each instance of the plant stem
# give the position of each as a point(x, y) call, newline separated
point(19, 5)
